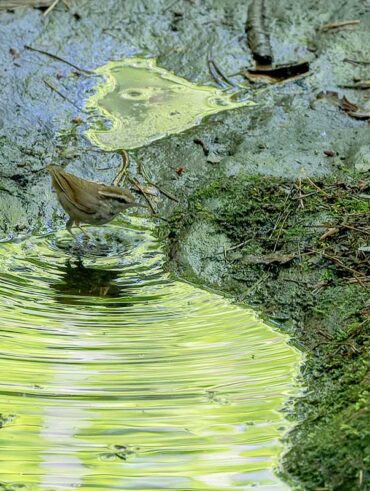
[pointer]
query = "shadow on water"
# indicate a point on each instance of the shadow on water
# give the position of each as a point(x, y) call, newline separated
point(115, 376)
point(78, 281)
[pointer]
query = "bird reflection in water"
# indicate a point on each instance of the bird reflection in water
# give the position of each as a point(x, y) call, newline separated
point(78, 283)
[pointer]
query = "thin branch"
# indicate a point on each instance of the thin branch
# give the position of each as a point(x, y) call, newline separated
point(356, 62)
point(316, 186)
point(353, 271)
point(56, 57)
point(253, 287)
point(164, 192)
point(51, 86)
point(216, 71)
point(338, 25)
point(288, 212)
point(213, 71)
point(286, 206)
point(300, 196)
point(141, 190)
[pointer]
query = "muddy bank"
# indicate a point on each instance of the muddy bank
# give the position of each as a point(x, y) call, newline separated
point(298, 252)
point(234, 176)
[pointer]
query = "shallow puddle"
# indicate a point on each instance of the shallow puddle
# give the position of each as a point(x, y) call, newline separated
point(144, 102)
point(115, 376)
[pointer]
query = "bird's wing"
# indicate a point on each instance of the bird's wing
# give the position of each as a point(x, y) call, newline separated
point(114, 192)
point(73, 188)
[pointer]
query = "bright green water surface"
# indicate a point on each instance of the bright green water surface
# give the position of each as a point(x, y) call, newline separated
point(144, 103)
point(113, 376)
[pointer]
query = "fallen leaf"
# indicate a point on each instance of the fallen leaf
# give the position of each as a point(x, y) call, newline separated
point(345, 105)
point(342, 102)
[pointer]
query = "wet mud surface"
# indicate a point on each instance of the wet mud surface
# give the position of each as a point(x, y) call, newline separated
point(290, 135)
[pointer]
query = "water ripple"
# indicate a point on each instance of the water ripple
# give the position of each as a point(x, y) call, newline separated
point(115, 376)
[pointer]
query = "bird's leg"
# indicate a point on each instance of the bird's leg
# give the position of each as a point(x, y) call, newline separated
point(69, 226)
point(82, 230)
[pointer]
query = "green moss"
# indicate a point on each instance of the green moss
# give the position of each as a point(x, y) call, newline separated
point(320, 292)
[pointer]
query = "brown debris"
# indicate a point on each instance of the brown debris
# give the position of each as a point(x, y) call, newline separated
point(257, 34)
point(342, 102)
point(200, 142)
point(267, 258)
point(329, 153)
point(357, 85)
point(180, 170)
point(16, 4)
point(345, 105)
point(359, 115)
point(14, 52)
point(259, 43)
point(77, 120)
point(328, 232)
point(220, 78)
point(278, 73)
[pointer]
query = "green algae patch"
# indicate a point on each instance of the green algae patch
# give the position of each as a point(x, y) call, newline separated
point(145, 103)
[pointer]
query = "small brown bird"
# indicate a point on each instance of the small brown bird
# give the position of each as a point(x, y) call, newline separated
point(88, 201)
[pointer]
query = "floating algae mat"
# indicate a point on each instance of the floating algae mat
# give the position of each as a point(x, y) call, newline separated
point(113, 376)
point(144, 103)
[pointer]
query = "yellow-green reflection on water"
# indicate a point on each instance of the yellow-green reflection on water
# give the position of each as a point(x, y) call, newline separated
point(145, 103)
point(114, 376)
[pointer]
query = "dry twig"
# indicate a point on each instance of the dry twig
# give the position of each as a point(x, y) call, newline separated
point(17, 4)
point(123, 168)
point(135, 183)
point(338, 25)
point(316, 187)
point(52, 6)
point(56, 57)
point(51, 86)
